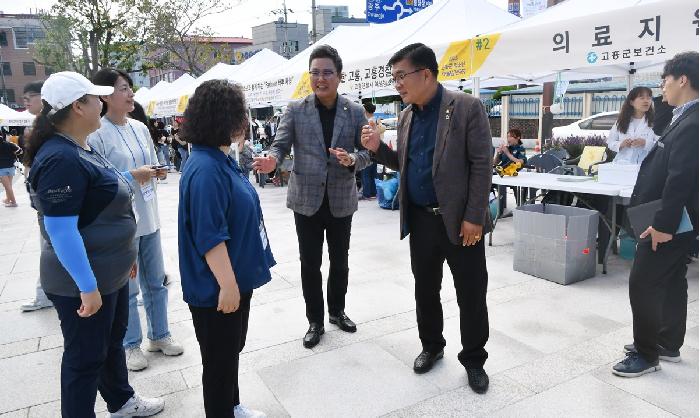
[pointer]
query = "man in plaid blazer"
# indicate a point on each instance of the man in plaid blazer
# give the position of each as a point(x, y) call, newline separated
point(324, 129)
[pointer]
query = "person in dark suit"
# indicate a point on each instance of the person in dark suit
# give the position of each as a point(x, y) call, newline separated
point(663, 112)
point(444, 156)
point(658, 286)
point(324, 128)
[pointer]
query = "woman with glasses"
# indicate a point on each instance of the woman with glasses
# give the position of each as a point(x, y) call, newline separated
point(85, 215)
point(127, 144)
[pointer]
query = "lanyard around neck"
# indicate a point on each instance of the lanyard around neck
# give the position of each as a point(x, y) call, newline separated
point(126, 143)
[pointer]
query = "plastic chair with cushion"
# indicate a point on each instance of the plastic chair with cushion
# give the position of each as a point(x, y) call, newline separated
point(589, 159)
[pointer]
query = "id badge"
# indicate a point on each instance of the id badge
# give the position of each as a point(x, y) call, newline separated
point(148, 192)
point(263, 235)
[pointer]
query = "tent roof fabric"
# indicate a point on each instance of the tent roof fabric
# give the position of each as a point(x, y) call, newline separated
point(603, 86)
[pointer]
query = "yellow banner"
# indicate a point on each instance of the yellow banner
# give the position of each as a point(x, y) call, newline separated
point(182, 104)
point(464, 58)
point(303, 88)
point(151, 108)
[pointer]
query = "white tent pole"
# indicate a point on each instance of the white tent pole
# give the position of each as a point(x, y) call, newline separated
point(476, 87)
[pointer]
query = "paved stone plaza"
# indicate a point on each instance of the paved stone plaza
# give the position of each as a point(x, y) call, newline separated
point(550, 350)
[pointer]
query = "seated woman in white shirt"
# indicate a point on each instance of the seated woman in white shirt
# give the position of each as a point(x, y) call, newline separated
point(632, 136)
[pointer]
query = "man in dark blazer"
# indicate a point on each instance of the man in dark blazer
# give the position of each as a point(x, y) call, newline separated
point(658, 286)
point(444, 156)
point(324, 129)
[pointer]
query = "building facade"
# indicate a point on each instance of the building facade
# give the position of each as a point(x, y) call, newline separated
point(330, 17)
point(286, 39)
point(17, 66)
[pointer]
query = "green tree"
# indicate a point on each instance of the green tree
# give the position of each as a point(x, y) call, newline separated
point(86, 35)
point(177, 36)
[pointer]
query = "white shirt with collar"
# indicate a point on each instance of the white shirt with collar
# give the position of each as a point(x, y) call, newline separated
point(638, 128)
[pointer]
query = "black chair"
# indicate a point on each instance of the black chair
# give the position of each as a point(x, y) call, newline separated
point(560, 153)
point(543, 163)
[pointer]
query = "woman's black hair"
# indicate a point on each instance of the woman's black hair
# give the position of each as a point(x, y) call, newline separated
point(139, 114)
point(215, 112)
point(627, 110)
point(109, 77)
point(45, 127)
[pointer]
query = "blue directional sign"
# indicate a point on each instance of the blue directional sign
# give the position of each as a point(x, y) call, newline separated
point(387, 11)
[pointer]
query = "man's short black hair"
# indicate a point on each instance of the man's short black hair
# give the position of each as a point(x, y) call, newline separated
point(369, 107)
point(327, 51)
point(215, 112)
point(685, 63)
point(419, 55)
point(34, 87)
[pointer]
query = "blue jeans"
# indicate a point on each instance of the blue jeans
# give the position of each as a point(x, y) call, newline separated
point(184, 155)
point(93, 356)
point(162, 151)
point(151, 274)
point(369, 188)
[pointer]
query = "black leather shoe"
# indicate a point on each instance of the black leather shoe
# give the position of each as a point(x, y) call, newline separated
point(426, 360)
point(343, 322)
point(313, 335)
point(478, 380)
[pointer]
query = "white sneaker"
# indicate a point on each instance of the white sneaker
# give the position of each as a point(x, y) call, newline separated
point(35, 305)
point(167, 345)
point(137, 406)
point(240, 411)
point(135, 360)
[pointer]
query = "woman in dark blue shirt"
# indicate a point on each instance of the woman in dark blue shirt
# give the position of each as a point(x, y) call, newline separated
point(223, 246)
point(85, 216)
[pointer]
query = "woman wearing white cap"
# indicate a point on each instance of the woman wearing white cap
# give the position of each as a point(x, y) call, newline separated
point(86, 217)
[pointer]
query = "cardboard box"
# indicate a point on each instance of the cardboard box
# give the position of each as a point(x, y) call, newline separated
point(620, 174)
point(554, 242)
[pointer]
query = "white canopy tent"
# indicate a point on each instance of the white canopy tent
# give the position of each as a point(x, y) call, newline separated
point(174, 100)
point(11, 117)
point(366, 50)
point(142, 95)
point(170, 101)
point(145, 98)
point(592, 37)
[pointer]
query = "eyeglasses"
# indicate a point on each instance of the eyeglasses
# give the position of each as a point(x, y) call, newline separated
point(28, 97)
point(398, 78)
point(325, 74)
point(124, 89)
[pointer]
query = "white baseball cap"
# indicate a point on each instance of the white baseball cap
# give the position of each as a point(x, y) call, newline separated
point(62, 89)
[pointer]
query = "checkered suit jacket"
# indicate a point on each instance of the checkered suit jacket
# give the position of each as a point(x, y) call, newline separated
point(315, 171)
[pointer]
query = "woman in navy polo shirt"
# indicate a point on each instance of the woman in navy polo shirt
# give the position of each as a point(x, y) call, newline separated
point(85, 216)
point(223, 246)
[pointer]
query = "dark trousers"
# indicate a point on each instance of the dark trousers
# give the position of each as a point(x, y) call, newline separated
point(369, 187)
point(93, 355)
point(221, 338)
point(310, 231)
point(659, 295)
point(430, 247)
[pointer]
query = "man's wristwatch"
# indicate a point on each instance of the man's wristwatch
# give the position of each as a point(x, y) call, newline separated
point(352, 159)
